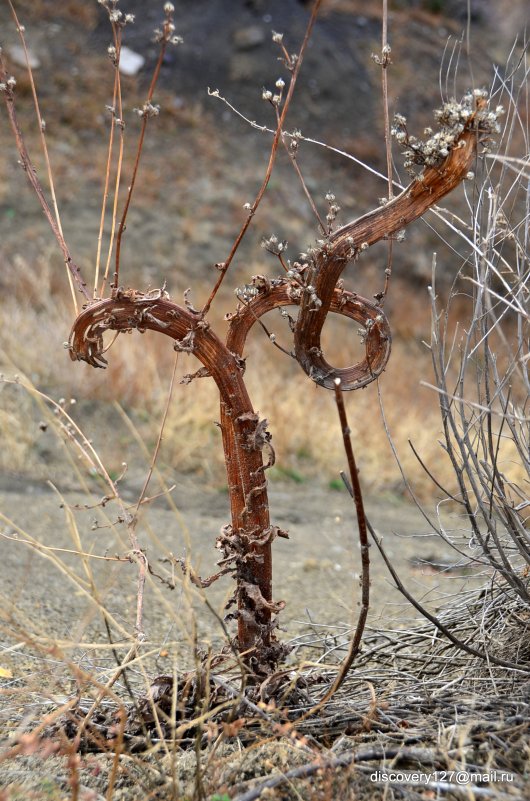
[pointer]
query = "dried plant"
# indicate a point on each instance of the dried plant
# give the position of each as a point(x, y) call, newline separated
point(483, 404)
point(313, 283)
point(481, 373)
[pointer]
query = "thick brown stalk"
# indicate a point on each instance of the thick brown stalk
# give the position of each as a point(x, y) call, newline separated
point(354, 237)
point(248, 540)
point(246, 543)
point(283, 292)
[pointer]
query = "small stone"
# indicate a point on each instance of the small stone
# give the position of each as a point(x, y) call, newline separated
point(18, 57)
point(130, 62)
point(249, 38)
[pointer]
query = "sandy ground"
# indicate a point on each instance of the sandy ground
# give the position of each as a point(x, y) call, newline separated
point(316, 571)
point(50, 622)
point(46, 599)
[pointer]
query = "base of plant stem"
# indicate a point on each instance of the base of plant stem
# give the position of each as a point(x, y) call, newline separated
point(186, 712)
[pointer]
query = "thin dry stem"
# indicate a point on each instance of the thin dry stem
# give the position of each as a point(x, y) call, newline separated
point(116, 92)
point(121, 127)
point(156, 451)
point(294, 161)
point(385, 62)
point(272, 158)
point(442, 628)
point(145, 119)
point(41, 125)
point(356, 492)
point(27, 165)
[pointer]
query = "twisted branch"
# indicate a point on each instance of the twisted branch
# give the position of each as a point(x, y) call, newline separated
point(246, 543)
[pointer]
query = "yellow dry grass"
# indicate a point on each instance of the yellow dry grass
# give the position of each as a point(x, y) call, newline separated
point(302, 417)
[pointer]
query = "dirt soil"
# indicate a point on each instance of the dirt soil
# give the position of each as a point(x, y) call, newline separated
point(316, 572)
point(201, 161)
point(194, 185)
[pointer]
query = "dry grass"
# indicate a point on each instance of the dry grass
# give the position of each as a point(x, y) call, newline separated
point(399, 704)
point(396, 712)
point(302, 417)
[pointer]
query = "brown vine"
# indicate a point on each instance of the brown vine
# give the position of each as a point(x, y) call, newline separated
point(245, 544)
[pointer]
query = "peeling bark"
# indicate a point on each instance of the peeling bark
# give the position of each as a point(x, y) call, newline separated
point(246, 543)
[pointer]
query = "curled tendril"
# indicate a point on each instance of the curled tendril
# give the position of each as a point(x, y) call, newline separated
point(243, 432)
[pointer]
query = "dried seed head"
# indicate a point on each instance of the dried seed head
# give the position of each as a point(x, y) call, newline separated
point(273, 245)
point(148, 110)
point(470, 113)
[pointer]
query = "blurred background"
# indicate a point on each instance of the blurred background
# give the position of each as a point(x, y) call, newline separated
point(200, 165)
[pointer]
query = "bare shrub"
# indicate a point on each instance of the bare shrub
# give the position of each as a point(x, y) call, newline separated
point(483, 404)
